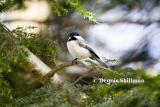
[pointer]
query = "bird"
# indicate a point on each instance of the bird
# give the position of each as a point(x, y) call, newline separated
point(79, 49)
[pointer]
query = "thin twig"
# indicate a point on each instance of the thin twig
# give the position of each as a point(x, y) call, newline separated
point(46, 78)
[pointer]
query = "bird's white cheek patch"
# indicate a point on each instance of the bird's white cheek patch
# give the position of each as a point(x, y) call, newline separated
point(80, 38)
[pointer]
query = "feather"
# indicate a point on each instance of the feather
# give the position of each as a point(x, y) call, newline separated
point(94, 55)
point(83, 44)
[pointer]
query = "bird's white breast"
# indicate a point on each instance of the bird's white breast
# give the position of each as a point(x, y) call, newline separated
point(77, 51)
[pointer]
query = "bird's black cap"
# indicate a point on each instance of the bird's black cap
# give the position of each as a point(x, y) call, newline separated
point(74, 34)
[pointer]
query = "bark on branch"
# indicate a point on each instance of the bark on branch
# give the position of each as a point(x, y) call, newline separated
point(46, 78)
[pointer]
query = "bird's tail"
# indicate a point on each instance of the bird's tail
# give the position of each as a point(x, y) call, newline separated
point(102, 63)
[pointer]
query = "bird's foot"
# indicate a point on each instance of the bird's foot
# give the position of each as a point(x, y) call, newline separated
point(75, 61)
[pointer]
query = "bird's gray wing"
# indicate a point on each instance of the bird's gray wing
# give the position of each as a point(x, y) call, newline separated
point(83, 44)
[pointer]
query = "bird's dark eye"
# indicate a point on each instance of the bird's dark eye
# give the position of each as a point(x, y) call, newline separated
point(72, 38)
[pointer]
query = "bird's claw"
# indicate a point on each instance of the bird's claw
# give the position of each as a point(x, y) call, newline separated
point(75, 61)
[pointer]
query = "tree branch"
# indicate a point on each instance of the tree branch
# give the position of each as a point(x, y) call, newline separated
point(46, 78)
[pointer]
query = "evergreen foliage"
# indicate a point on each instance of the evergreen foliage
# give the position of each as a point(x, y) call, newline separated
point(59, 7)
point(63, 7)
point(13, 56)
point(125, 94)
point(99, 95)
point(8, 52)
point(5, 92)
point(10, 4)
point(40, 44)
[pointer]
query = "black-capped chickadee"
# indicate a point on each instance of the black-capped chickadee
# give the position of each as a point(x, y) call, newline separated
point(79, 49)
